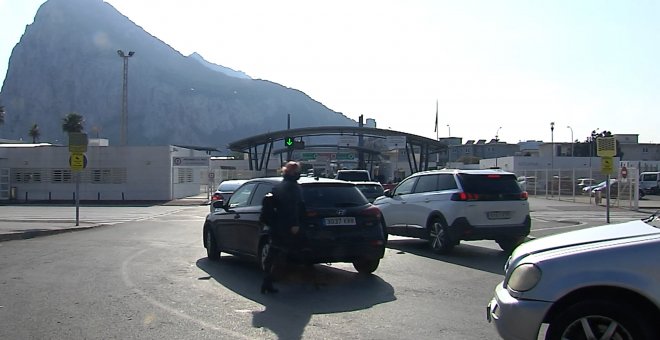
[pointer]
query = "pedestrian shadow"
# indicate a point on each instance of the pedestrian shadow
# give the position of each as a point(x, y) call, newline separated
point(303, 292)
point(465, 254)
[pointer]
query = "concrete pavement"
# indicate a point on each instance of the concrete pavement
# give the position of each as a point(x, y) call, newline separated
point(15, 224)
point(22, 221)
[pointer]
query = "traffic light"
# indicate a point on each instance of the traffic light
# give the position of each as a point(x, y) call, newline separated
point(289, 142)
point(292, 144)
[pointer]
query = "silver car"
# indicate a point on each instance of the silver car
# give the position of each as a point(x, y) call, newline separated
point(595, 283)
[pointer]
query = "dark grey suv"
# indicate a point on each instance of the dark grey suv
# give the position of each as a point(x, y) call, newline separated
point(340, 225)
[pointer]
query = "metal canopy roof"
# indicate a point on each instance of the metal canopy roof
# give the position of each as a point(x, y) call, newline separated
point(246, 143)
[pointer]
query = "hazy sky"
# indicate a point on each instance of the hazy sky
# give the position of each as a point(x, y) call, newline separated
point(518, 65)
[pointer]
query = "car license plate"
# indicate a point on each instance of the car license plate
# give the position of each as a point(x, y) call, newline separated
point(339, 221)
point(498, 215)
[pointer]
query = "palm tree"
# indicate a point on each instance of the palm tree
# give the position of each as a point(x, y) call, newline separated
point(34, 133)
point(73, 122)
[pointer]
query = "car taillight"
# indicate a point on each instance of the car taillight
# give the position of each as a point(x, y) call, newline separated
point(311, 213)
point(371, 211)
point(524, 195)
point(216, 197)
point(464, 196)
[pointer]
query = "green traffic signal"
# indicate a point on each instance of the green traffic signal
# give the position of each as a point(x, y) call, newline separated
point(288, 142)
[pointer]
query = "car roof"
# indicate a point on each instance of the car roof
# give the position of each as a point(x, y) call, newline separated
point(465, 171)
point(302, 180)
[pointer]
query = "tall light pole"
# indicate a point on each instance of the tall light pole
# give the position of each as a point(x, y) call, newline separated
point(552, 142)
point(497, 134)
point(572, 142)
point(123, 129)
point(448, 130)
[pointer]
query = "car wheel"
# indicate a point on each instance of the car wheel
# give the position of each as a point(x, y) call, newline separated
point(385, 234)
point(510, 243)
point(366, 266)
point(439, 238)
point(597, 319)
point(212, 251)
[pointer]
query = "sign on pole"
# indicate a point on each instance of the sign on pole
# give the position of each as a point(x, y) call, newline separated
point(78, 142)
point(606, 146)
point(77, 161)
point(606, 165)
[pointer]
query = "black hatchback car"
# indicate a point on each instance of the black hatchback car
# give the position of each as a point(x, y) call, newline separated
point(340, 225)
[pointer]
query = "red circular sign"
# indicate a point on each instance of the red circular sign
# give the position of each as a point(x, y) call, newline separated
point(624, 172)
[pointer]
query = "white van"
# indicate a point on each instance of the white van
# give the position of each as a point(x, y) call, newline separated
point(649, 182)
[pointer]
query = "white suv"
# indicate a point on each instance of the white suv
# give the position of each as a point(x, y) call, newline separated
point(447, 206)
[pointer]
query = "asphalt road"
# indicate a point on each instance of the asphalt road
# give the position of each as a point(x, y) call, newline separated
point(150, 279)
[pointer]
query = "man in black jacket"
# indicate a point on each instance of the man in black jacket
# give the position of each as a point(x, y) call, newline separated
point(289, 210)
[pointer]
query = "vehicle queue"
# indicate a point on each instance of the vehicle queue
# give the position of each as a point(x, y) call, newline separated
point(588, 297)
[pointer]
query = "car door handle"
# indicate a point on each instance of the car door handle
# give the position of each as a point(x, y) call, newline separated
point(237, 216)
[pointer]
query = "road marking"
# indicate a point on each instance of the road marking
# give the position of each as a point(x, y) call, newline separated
point(130, 284)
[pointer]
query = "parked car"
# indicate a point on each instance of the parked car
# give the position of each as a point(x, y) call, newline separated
point(527, 183)
point(447, 206)
point(226, 189)
point(614, 190)
point(370, 190)
point(649, 182)
point(353, 175)
point(584, 182)
point(589, 190)
point(340, 225)
point(595, 283)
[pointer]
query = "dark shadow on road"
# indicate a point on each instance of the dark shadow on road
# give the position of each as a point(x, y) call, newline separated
point(303, 292)
point(465, 254)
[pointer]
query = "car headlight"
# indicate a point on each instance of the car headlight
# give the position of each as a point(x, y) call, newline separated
point(524, 277)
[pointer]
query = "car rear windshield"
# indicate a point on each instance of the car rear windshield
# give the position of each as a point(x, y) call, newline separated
point(229, 186)
point(353, 176)
point(489, 183)
point(370, 189)
point(335, 196)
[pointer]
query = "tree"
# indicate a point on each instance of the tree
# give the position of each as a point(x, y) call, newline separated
point(589, 148)
point(34, 133)
point(2, 114)
point(73, 122)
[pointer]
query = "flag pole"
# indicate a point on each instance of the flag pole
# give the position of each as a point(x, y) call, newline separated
point(436, 121)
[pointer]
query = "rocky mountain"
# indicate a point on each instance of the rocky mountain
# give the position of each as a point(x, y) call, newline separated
point(222, 69)
point(67, 61)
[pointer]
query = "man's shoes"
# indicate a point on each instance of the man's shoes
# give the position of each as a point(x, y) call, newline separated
point(268, 289)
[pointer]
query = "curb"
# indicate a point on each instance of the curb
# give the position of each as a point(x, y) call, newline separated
point(41, 232)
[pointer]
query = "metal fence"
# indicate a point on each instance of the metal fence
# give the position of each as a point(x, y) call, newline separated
point(581, 185)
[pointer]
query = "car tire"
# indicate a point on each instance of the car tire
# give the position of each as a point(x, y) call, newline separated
point(212, 251)
point(366, 266)
point(439, 239)
point(385, 234)
point(508, 244)
point(597, 316)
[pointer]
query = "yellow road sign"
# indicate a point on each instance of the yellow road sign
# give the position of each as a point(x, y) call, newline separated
point(606, 165)
point(606, 146)
point(77, 161)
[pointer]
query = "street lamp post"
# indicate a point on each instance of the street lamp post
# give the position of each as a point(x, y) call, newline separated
point(497, 139)
point(123, 129)
point(552, 142)
point(448, 130)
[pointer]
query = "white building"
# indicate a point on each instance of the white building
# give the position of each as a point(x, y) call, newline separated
point(31, 172)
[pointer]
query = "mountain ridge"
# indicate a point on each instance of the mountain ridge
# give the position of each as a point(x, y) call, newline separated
point(66, 61)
